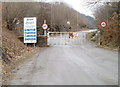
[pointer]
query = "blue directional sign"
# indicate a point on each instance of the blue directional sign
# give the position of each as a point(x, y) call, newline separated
point(30, 32)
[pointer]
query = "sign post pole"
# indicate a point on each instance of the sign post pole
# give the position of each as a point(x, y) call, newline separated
point(45, 32)
point(34, 44)
point(99, 38)
point(103, 25)
point(45, 27)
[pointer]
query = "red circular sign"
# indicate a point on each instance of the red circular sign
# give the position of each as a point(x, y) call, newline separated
point(45, 26)
point(103, 24)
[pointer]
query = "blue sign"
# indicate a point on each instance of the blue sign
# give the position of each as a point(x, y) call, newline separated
point(30, 31)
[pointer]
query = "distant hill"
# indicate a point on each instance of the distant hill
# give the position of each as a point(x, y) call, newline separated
point(91, 21)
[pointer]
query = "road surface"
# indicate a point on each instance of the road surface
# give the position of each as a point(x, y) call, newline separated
point(83, 64)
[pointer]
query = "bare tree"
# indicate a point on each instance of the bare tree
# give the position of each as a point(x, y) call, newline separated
point(12, 12)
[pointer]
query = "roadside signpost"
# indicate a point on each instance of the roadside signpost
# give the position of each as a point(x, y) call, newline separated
point(30, 32)
point(45, 27)
point(103, 25)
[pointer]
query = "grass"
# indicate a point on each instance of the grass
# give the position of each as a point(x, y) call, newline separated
point(110, 46)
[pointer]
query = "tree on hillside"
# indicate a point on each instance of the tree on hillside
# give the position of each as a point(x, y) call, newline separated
point(12, 12)
point(109, 13)
point(61, 13)
point(56, 14)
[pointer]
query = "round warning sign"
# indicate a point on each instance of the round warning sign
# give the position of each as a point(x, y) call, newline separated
point(103, 24)
point(45, 26)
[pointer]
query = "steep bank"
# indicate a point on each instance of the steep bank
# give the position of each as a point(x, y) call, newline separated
point(14, 52)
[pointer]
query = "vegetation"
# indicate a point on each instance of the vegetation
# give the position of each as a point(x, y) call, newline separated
point(56, 14)
point(109, 35)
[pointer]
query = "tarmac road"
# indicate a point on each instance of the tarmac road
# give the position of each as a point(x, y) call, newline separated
point(83, 64)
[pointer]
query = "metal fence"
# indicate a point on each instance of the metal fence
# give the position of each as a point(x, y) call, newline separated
point(62, 38)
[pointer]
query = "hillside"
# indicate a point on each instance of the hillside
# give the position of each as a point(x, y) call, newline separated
point(13, 52)
point(56, 14)
point(91, 22)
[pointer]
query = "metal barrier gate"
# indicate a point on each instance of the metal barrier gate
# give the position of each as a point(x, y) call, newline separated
point(62, 38)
